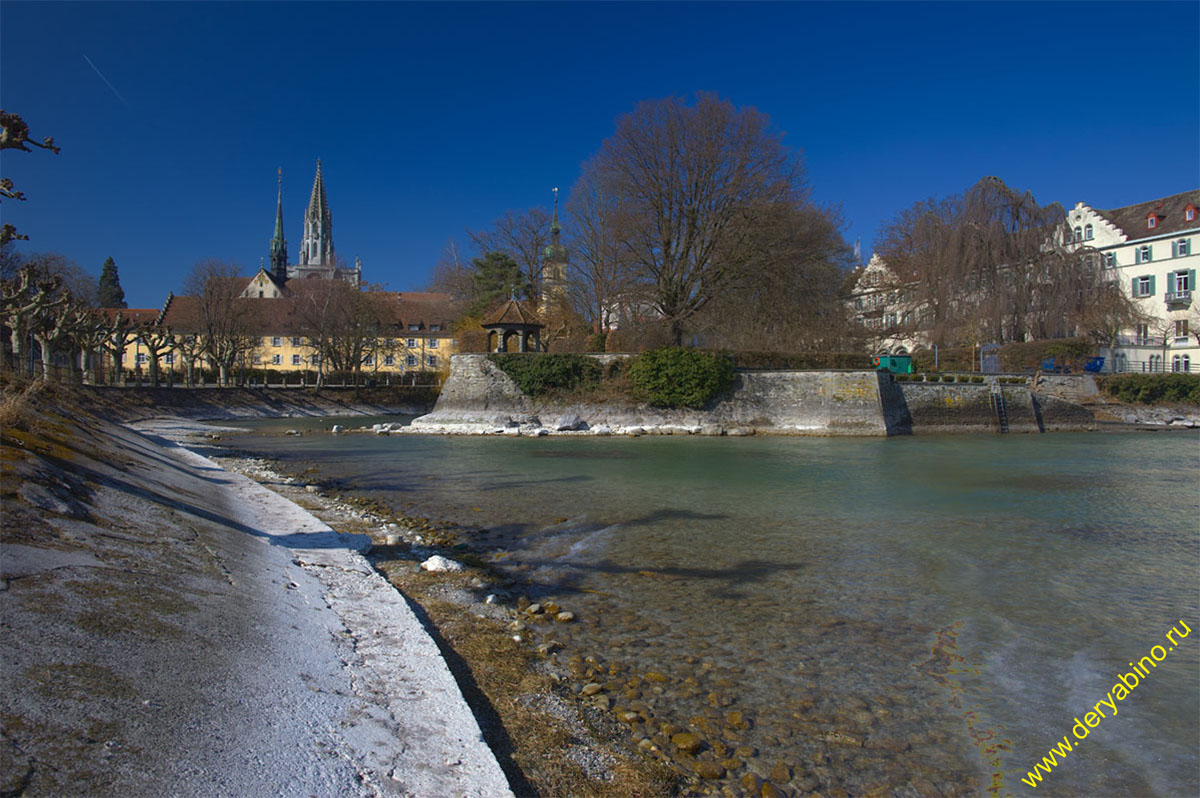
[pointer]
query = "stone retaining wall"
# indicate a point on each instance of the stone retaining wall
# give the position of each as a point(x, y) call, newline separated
point(478, 394)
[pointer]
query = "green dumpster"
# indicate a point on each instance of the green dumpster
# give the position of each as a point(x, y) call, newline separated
point(896, 364)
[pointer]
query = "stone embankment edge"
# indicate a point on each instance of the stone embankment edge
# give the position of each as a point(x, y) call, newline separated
point(432, 743)
point(479, 399)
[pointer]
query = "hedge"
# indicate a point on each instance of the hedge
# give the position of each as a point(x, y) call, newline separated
point(1149, 388)
point(539, 373)
point(673, 377)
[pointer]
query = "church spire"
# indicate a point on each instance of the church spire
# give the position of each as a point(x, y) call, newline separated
point(317, 247)
point(554, 265)
point(278, 242)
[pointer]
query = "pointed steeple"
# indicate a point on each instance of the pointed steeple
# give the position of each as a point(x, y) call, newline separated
point(278, 242)
point(554, 264)
point(317, 247)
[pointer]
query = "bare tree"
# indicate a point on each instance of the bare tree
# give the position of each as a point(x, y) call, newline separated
point(992, 265)
point(28, 297)
point(692, 180)
point(792, 299)
point(523, 236)
point(599, 272)
point(14, 135)
point(452, 275)
point(224, 318)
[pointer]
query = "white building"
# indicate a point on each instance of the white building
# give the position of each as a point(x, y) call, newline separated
point(1151, 251)
point(882, 302)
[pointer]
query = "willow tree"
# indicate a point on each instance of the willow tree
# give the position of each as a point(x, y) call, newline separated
point(991, 264)
point(692, 181)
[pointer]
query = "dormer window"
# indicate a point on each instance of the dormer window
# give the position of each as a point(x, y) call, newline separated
point(1151, 222)
point(1189, 213)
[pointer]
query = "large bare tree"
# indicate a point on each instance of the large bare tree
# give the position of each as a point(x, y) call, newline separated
point(992, 264)
point(224, 322)
point(599, 271)
point(791, 298)
point(692, 182)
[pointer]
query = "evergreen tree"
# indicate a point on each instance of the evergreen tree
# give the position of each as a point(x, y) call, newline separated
point(111, 293)
point(497, 277)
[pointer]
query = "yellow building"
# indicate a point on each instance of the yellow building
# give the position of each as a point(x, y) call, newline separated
point(300, 329)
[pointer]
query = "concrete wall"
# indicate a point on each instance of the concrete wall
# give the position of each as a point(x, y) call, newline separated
point(778, 402)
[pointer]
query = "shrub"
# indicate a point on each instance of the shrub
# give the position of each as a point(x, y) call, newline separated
point(680, 377)
point(538, 373)
point(596, 342)
point(947, 378)
point(977, 378)
point(1150, 388)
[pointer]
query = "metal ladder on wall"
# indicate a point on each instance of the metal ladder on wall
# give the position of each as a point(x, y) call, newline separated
point(999, 407)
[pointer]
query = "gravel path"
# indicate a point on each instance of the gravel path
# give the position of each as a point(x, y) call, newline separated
point(172, 628)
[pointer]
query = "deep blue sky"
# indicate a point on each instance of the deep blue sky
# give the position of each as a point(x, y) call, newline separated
point(434, 118)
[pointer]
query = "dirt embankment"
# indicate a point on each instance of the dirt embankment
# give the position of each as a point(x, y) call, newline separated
point(133, 404)
point(173, 628)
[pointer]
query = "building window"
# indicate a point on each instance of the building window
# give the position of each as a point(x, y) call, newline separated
point(389, 360)
point(1189, 214)
point(1143, 286)
point(388, 343)
point(1181, 331)
point(315, 359)
point(1181, 363)
point(1181, 248)
point(414, 327)
point(433, 343)
point(369, 360)
point(1155, 363)
point(276, 341)
point(276, 360)
point(411, 360)
point(432, 361)
point(889, 320)
point(1151, 221)
point(256, 360)
point(296, 360)
point(1142, 334)
point(1143, 254)
point(141, 358)
point(1110, 260)
point(296, 341)
point(1078, 233)
point(435, 328)
point(1087, 232)
point(1182, 282)
point(411, 343)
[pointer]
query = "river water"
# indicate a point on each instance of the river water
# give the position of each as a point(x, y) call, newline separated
point(916, 615)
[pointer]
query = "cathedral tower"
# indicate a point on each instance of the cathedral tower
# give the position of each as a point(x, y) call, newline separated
point(278, 242)
point(316, 250)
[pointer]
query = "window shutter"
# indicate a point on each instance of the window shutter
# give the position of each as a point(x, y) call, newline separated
point(1149, 254)
point(1192, 280)
point(1133, 288)
point(1152, 285)
point(1174, 249)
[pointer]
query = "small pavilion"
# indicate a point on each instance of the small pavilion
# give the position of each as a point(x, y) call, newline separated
point(513, 320)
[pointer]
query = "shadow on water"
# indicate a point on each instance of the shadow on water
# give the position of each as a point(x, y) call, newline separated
point(733, 577)
point(658, 516)
point(517, 484)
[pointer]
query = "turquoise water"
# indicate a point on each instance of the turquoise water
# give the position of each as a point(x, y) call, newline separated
point(893, 614)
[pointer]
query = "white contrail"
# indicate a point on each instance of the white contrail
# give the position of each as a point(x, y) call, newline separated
point(106, 83)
